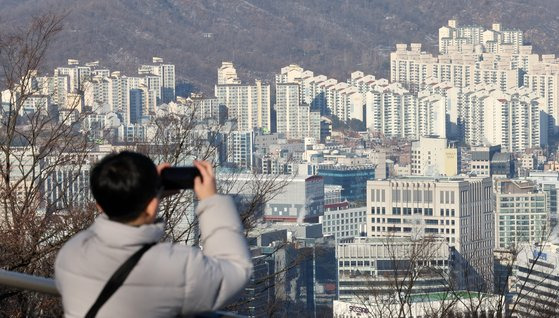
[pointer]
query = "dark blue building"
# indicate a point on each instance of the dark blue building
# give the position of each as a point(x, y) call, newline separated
point(352, 179)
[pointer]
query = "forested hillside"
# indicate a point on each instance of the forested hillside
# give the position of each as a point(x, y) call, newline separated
point(333, 37)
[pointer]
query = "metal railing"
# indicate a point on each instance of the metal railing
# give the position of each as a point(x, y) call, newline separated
point(46, 285)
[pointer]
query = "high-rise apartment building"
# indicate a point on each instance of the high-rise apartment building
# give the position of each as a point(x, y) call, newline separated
point(453, 37)
point(248, 104)
point(513, 120)
point(413, 67)
point(165, 73)
point(227, 74)
point(240, 149)
point(295, 120)
point(543, 79)
point(485, 115)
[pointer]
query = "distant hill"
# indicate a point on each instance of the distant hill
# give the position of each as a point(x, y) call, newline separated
point(332, 37)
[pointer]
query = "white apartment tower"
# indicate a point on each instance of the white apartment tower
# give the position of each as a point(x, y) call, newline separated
point(294, 119)
point(166, 79)
point(227, 74)
point(248, 104)
point(453, 37)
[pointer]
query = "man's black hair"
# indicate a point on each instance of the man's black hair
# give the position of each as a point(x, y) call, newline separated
point(123, 184)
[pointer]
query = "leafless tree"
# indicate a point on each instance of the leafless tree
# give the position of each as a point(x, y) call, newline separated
point(38, 143)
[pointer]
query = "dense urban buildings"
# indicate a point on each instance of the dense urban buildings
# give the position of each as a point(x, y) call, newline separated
point(437, 185)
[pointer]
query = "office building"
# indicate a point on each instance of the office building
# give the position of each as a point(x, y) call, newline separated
point(536, 278)
point(345, 223)
point(460, 210)
point(548, 182)
point(434, 156)
point(521, 213)
point(373, 268)
point(488, 161)
point(352, 179)
point(299, 199)
point(435, 304)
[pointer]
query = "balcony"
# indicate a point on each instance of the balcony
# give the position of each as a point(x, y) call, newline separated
point(45, 285)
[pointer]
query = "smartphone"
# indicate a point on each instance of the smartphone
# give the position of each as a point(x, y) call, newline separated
point(178, 178)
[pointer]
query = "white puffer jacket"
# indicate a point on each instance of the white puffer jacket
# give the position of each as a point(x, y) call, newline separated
point(169, 280)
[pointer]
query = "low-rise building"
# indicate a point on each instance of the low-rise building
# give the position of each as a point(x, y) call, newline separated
point(536, 281)
point(345, 223)
point(378, 267)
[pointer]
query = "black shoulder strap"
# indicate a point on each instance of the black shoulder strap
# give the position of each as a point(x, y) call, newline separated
point(116, 280)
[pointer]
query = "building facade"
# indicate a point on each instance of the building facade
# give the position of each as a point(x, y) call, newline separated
point(459, 210)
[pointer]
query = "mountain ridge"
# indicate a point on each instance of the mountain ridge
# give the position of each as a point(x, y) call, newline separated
point(331, 37)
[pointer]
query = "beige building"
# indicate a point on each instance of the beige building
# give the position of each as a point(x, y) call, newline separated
point(459, 210)
point(434, 156)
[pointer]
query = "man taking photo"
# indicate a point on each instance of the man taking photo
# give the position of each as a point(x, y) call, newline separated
point(118, 268)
